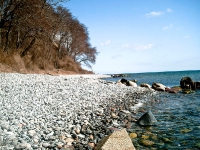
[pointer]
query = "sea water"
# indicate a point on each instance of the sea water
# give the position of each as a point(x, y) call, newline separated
point(178, 115)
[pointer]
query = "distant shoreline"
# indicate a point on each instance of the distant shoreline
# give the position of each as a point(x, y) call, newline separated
point(154, 72)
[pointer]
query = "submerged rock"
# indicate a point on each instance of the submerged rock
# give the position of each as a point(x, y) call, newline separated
point(147, 119)
point(186, 130)
point(133, 135)
point(197, 145)
point(145, 137)
point(147, 142)
point(188, 91)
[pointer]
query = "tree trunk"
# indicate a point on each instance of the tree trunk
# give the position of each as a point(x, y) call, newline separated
point(18, 39)
point(28, 47)
point(7, 37)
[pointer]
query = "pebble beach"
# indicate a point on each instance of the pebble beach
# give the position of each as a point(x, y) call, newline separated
point(65, 112)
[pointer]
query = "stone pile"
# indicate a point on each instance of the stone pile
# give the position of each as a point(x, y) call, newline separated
point(63, 112)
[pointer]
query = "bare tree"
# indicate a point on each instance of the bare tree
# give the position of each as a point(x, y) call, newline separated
point(73, 39)
point(39, 27)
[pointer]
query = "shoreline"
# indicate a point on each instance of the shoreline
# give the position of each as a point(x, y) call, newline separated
point(66, 110)
point(72, 75)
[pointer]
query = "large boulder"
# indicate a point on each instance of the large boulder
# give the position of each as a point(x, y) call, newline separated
point(175, 89)
point(118, 140)
point(131, 83)
point(147, 119)
point(187, 83)
point(124, 81)
point(127, 82)
point(145, 85)
point(120, 84)
point(158, 87)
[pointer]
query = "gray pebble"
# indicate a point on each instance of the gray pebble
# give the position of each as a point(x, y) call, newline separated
point(45, 144)
point(37, 109)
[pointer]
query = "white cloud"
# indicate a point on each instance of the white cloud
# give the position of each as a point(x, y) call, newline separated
point(158, 13)
point(154, 14)
point(106, 43)
point(169, 10)
point(168, 27)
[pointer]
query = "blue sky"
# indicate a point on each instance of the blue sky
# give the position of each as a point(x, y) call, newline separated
point(141, 35)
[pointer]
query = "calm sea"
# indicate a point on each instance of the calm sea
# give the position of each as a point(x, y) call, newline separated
point(178, 115)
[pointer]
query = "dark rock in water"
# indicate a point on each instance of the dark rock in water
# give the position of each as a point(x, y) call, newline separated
point(187, 83)
point(119, 75)
point(147, 119)
point(197, 84)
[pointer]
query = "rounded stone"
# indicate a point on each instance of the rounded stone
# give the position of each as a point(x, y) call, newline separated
point(147, 142)
point(91, 144)
point(77, 131)
point(31, 132)
point(91, 137)
point(35, 140)
point(133, 135)
point(45, 144)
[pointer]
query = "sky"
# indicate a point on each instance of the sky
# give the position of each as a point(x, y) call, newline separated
point(134, 36)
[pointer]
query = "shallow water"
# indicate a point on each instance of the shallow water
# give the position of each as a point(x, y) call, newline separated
point(178, 115)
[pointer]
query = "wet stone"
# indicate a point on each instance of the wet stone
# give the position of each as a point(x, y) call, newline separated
point(133, 135)
point(147, 142)
point(147, 119)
